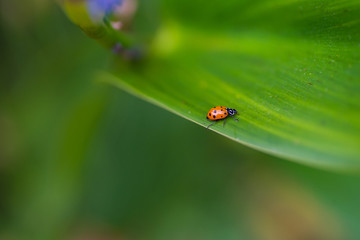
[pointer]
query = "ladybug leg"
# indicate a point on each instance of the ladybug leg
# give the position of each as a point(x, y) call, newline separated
point(235, 119)
point(224, 122)
point(211, 125)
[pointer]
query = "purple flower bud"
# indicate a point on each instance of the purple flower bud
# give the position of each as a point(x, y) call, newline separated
point(117, 48)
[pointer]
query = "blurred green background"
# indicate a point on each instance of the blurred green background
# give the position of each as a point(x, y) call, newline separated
point(80, 159)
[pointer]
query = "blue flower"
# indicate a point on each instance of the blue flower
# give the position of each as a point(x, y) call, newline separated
point(98, 9)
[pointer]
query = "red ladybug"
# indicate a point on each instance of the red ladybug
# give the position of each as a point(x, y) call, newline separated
point(220, 112)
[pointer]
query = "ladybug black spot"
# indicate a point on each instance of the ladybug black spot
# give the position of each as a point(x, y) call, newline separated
point(222, 110)
point(214, 116)
point(225, 113)
point(214, 111)
point(209, 114)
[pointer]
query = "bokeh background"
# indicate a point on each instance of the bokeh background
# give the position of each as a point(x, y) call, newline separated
point(80, 159)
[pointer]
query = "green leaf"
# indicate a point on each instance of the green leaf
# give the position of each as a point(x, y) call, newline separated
point(291, 69)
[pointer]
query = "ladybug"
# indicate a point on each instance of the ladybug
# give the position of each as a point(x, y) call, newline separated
point(220, 112)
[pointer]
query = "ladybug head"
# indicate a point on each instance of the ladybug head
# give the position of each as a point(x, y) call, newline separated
point(231, 112)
